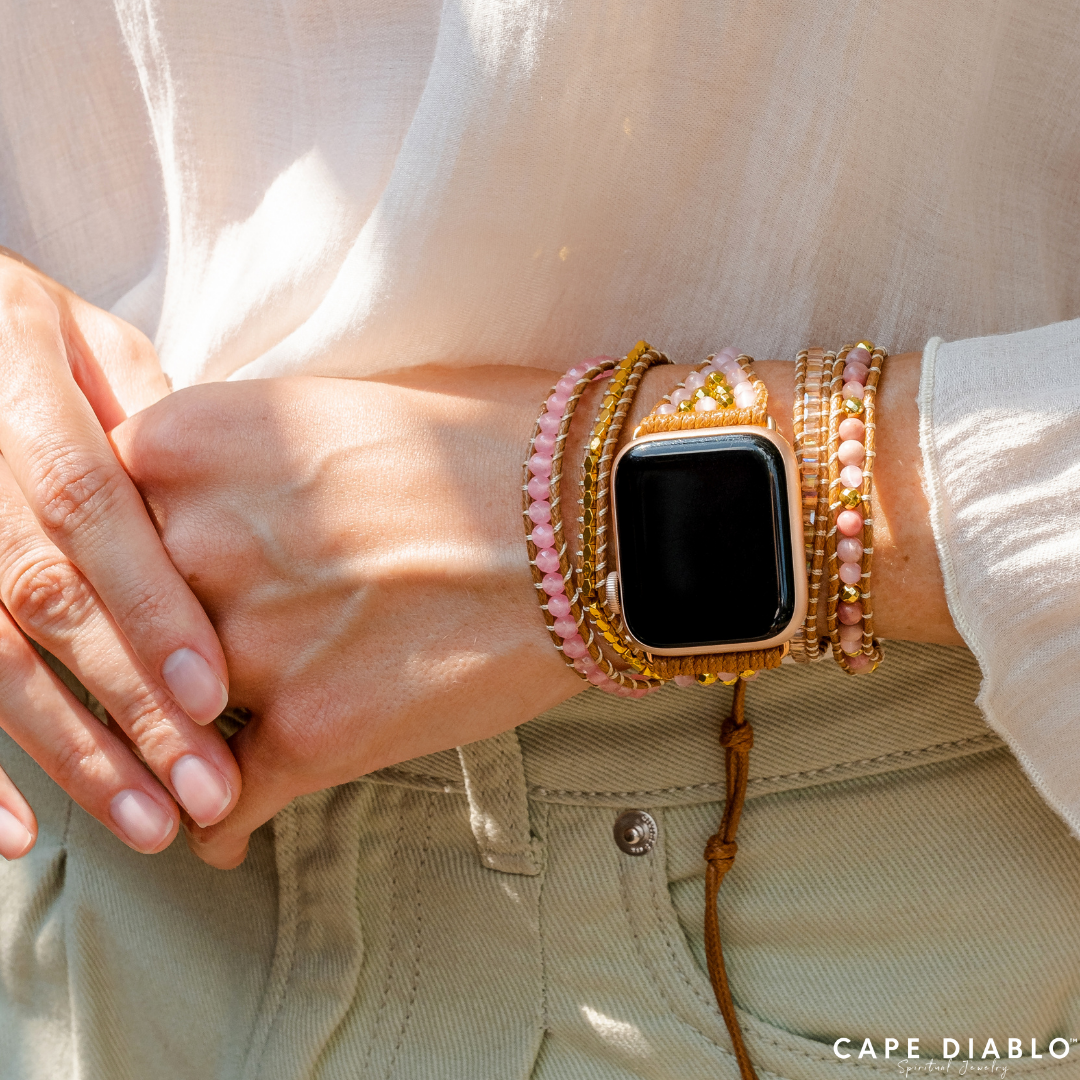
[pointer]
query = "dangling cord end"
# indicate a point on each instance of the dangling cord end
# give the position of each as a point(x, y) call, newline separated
point(736, 737)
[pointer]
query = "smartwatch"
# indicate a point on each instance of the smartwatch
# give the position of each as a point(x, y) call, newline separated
point(707, 524)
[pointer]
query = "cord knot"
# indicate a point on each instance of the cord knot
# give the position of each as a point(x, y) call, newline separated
point(720, 852)
point(737, 736)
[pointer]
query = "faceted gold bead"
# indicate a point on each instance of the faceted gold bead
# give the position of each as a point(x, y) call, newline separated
point(850, 594)
point(746, 674)
point(587, 517)
point(724, 398)
point(730, 682)
point(687, 406)
point(595, 443)
point(853, 407)
point(700, 393)
point(715, 382)
point(867, 345)
point(850, 498)
point(706, 679)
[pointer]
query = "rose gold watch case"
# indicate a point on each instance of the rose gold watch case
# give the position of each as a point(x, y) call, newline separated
point(794, 493)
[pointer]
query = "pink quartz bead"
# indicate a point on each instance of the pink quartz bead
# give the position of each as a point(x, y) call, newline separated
point(849, 550)
point(745, 395)
point(736, 376)
point(578, 370)
point(558, 605)
point(640, 693)
point(848, 522)
point(539, 487)
point(851, 452)
point(855, 372)
point(851, 476)
point(853, 390)
point(666, 409)
point(543, 536)
point(695, 380)
point(684, 680)
point(540, 465)
point(849, 614)
point(544, 444)
point(565, 386)
point(596, 676)
point(706, 404)
point(728, 352)
point(565, 627)
point(575, 647)
point(548, 561)
point(553, 584)
point(860, 663)
point(729, 366)
point(557, 403)
point(584, 664)
point(680, 395)
point(851, 638)
point(725, 676)
point(858, 356)
point(850, 573)
point(852, 428)
point(540, 512)
point(624, 691)
point(549, 423)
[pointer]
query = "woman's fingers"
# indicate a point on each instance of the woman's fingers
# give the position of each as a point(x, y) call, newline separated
point(18, 826)
point(78, 751)
point(87, 506)
point(53, 603)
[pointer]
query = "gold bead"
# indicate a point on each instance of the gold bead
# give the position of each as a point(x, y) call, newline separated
point(850, 498)
point(687, 406)
point(746, 674)
point(853, 407)
point(730, 682)
point(724, 398)
point(700, 393)
point(716, 382)
point(707, 679)
point(867, 345)
point(850, 594)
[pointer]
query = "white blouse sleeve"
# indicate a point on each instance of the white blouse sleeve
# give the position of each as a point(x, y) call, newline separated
point(1000, 435)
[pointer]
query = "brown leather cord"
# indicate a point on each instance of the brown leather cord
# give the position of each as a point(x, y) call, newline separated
point(736, 737)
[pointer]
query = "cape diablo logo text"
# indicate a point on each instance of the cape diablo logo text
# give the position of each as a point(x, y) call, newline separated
point(950, 1049)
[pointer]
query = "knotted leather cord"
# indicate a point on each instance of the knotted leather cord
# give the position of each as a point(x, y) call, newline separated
point(736, 737)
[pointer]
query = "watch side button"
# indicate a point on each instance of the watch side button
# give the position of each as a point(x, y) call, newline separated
point(611, 592)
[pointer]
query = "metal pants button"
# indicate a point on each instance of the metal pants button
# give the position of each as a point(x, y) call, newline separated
point(635, 832)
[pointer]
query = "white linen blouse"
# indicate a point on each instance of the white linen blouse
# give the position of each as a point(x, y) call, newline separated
point(337, 188)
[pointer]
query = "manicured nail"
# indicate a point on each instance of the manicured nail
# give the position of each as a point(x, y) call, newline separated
point(201, 788)
point(141, 819)
point(15, 838)
point(194, 685)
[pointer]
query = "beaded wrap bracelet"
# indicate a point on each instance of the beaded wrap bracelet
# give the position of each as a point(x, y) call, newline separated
point(553, 576)
point(850, 539)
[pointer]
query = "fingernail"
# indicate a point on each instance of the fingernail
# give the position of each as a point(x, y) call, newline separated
point(194, 685)
point(201, 788)
point(15, 838)
point(141, 819)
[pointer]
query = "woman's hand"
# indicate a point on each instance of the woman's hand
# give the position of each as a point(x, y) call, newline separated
point(360, 548)
point(83, 574)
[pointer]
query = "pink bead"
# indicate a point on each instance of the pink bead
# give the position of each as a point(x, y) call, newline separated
point(596, 677)
point(852, 428)
point(725, 676)
point(547, 561)
point(679, 396)
point(540, 465)
point(543, 536)
point(853, 390)
point(848, 522)
point(736, 377)
point(859, 356)
point(856, 372)
point(544, 444)
point(556, 403)
point(745, 395)
point(578, 370)
point(584, 664)
point(549, 423)
point(666, 409)
point(684, 680)
point(849, 550)
point(850, 573)
point(565, 627)
point(730, 367)
point(849, 614)
point(851, 452)
point(851, 476)
point(565, 386)
point(575, 647)
point(539, 487)
point(558, 605)
point(860, 663)
point(851, 638)
point(640, 693)
point(624, 691)
point(553, 584)
point(705, 404)
point(694, 381)
point(540, 512)
point(728, 352)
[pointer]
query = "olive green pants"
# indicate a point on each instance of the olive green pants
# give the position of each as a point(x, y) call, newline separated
point(469, 915)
